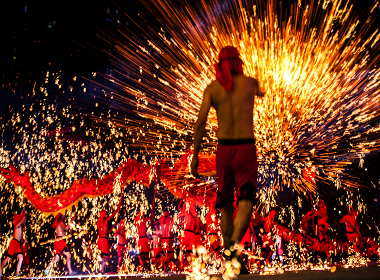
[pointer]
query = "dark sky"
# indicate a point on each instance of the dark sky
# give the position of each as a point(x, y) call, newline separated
point(36, 33)
point(40, 36)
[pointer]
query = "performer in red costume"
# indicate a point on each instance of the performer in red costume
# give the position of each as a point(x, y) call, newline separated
point(352, 230)
point(103, 231)
point(267, 237)
point(188, 221)
point(167, 238)
point(143, 243)
point(60, 246)
point(121, 242)
point(213, 238)
point(14, 248)
point(323, 225)
point(156, 244)
point(232, 95)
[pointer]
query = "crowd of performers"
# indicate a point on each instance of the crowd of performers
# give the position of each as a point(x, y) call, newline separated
point(173, 241)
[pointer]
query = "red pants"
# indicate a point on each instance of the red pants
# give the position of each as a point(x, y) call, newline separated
point(60, 246)
point(236, 167)
point(167, 247)
point(103, 246)
point(14, 248)
point(187, 240)
point(167, 244)
point(157, 251)
point(353, 237)
point(143, 244)
point(121, 249)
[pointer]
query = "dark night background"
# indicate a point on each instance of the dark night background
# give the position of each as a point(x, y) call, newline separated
point(40, 36)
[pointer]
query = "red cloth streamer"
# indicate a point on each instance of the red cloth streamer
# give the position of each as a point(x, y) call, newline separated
point(174, 177)
point(229, 63)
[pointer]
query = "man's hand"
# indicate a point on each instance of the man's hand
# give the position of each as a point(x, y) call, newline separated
point(194, 166)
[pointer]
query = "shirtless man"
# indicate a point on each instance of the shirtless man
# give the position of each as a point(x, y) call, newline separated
point(188, 222)
point(103, 231)
point(15, 245)
point(143, 243)
point(323, 225)
point(167, 238)
point(232, 95)
point(121, 242)
point(60, 246)
point(352, 230)
point(156, 244)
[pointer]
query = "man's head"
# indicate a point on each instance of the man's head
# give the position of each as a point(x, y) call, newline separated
point(229, 64)
point(321, 204)
point(157, 225)
point(273, 213)
point(60, 217)
point(350, 210)
point(102, 214)
point(18, 218)
point(231, 55)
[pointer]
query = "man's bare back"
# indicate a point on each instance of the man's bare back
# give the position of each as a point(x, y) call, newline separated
point(234, 107)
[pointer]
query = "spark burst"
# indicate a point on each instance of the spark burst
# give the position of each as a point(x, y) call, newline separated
point(316, 63)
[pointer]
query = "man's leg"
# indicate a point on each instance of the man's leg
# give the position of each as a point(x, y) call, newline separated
point(242, 220)
point(104, 263)
point(227, 223)
point(54, 260)
point(68, 261)
point(120, 261)
point(20, 258)
point(4, 263)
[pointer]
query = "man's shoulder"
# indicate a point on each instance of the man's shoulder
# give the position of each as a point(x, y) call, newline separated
point(212, 86)
point(251, 80)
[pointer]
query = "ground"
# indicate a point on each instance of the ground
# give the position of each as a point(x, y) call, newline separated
point(362, 273)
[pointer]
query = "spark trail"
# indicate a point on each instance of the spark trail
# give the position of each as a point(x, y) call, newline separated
point(317, 64)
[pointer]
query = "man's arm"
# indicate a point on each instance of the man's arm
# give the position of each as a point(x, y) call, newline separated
point(199, 130)
point(343, 220)
point(21, 222)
